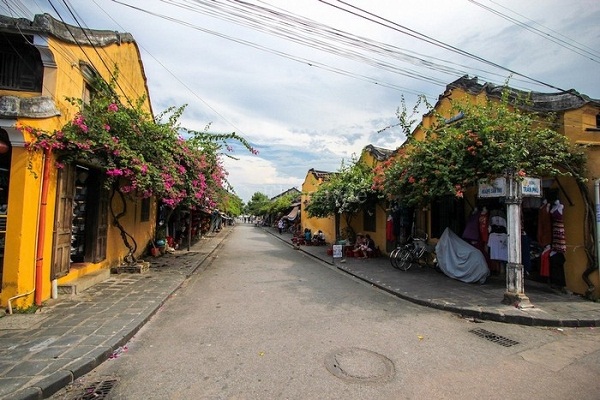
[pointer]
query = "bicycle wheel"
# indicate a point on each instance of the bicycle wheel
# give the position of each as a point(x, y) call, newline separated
point(405, 259)
point(394, 257)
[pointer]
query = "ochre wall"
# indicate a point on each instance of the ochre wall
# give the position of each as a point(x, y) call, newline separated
point(26, 170)
point(327, 225)
point(379, 235)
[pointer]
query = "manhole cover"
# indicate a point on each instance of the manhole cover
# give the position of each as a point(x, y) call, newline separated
point(360, 365)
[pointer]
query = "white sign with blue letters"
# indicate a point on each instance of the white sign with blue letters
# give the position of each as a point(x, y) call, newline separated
point(531, 187)
point(496, 188)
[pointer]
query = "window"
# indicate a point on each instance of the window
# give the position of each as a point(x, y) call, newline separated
point(369, 220)
point(145, 211)
point(598, 121)
point(21, 65)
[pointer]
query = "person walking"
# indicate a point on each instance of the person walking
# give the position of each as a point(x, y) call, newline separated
point(280, 226)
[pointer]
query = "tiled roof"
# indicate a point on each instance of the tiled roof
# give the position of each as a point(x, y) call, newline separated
point(537, 101)
point(320, 174)
point(379, 153)
point(45, 23)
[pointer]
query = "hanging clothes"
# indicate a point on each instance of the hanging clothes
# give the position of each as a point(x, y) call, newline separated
point(389, 229)
point(498, 244)
point(559, 243)
point(484, 219)
point(471, 232)
point(544, 227)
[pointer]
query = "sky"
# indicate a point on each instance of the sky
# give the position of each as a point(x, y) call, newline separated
point(310, 83)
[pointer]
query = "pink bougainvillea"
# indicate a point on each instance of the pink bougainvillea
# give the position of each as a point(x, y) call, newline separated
point(141, 155)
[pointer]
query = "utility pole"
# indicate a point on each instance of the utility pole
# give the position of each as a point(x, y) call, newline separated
point(515, 283)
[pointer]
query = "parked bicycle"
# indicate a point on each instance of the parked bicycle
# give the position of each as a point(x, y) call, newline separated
point(417, 250)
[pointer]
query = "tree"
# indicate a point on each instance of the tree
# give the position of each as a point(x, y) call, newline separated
point(230, 203)
point(344, 193)
point(281, 204)
point(489, 140)
point(258, 204)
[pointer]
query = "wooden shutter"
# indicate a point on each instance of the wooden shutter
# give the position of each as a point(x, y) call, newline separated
point(101, 227)
point(63, 220)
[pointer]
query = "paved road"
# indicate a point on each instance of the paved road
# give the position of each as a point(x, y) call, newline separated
point(266, 322)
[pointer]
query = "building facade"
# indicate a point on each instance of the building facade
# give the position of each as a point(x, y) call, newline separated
point(579, 120)
point(55, 223)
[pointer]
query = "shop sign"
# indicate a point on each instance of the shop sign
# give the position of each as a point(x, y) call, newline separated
point(497, 188)
point(337, 250)
point(531, 187)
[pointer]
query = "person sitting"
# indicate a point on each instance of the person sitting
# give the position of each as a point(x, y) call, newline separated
point(360, 246)
point(370, 246)
point(307, 236)
point(364, 247)
point(319, 238)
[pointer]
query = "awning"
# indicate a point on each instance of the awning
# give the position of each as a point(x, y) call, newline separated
point(293, 214)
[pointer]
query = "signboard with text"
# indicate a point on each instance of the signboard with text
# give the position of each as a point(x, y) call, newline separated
point(495, 188)
point(530, 187)
point(337, 250)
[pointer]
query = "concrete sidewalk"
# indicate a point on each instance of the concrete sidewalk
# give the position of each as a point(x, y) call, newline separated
point(43, 352)
point(430, 288)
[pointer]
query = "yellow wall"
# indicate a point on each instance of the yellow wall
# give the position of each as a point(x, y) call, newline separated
point(25, 182)
point(381, 213)
point(327, 225)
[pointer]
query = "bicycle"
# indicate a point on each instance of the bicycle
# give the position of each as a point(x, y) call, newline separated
point(417, 250)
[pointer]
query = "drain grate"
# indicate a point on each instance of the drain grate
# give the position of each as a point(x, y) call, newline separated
point(492, 337)
point(98, 390)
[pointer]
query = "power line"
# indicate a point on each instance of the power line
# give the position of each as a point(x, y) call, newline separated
point(91, 43)
point(566, 43)
point(174, 76)
point(420, 36)
point(302, 60)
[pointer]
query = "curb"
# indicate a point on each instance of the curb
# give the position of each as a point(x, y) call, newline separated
point(487, 315)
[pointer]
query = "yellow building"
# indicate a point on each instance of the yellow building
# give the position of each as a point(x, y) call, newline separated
point(579, 118)
point(373, 216)
point(312, 181)
point(55, 224)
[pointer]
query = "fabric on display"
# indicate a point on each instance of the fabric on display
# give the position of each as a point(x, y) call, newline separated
point(559, 243)
point(498, 244)
point(544, 227)
point(471, 231)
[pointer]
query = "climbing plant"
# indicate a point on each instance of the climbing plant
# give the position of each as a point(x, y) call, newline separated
point(141, 155)
point(487, 140)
